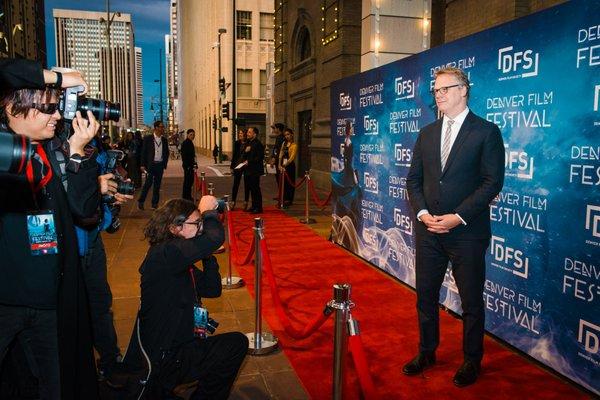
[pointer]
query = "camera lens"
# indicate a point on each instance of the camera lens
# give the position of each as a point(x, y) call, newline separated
point(15, 152)
point(103, 110)
point(125, 187)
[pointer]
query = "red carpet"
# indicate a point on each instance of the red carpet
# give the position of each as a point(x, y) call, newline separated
point(306, 266)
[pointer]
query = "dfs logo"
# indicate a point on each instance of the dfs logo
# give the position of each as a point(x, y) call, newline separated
point(589, 336)
point(345, 102)
point(518, 164)
point(402, 156)
point(592, 220)
point(403, 222)
point(405, 88)
point(596, 97)
point(517, 64)
point(512, 259)
point(371, 183)
point(371, 126)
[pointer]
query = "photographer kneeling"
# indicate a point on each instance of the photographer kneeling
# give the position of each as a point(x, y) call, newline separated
point(174, 326)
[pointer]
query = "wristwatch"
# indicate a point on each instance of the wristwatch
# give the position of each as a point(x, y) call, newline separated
point(74, 163)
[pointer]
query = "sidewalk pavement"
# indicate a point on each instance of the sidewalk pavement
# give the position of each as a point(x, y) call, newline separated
point(261, 377)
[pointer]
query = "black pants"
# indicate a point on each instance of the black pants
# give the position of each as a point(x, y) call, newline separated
point(37, 333)
point(153, 178)
point(188, 181)
point(253, 181)
point(288, 190)
point(237, 179)
point(100, 301)
point(468, 268)
point(214, 362)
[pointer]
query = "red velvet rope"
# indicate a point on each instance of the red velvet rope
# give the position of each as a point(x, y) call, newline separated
point(295, 185)
point(294, 333)
point(233, 244)
point(204, 191)
point(315, 197)
point(362, 369)
point(196, 182)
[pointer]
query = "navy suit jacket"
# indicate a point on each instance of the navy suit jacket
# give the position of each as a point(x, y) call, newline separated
point(473, 176)
point(148, 151)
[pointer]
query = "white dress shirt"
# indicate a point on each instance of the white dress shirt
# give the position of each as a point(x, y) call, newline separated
point(157, 148)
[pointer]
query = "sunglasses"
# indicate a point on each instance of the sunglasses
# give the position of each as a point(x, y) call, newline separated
point(46, 108)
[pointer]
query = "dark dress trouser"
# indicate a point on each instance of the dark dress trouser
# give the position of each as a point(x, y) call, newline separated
point(468, 268)
point(153, 178)
point(188, 181)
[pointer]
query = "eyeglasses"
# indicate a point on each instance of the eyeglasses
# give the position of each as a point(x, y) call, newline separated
point(444, 89)
point(45, 108)
point(198, 223)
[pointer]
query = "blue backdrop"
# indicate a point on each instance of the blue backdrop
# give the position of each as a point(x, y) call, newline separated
point(538, 79)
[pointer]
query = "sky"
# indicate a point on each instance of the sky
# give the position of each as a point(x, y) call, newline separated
point(150, 19)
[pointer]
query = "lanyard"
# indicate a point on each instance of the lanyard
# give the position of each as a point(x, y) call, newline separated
point(194, 284)
point(29, 171)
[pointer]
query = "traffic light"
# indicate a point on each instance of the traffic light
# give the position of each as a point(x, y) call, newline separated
point(225, 110)
point(222, 87)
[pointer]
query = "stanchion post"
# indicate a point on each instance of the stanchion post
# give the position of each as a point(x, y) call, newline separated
point(259, 342)
point(280, 193)
point(229, 282)
point(341, 304)
point(211, 189)
point(307, 219)
point(202, 181)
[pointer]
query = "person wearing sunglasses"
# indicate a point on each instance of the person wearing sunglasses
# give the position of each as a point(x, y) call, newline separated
point(42, 298)
point(182, 234)
point(456, 171)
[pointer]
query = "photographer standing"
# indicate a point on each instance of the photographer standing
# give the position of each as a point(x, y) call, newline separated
point(42, 297)
point(179, 349)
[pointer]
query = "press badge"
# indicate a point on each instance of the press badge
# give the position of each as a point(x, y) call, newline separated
point(200, 321)
point(42, 233)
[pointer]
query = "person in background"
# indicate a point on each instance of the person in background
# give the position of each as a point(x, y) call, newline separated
point(254, 154)
point(237, 158)
point(137, 147)
point(188, 161)
point(287, 164)
point(215, 153)
point(155, 157)
point(277, 130)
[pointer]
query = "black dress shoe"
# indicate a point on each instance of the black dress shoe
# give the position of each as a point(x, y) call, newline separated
point(467, 374)
point(419, 364)
point(140, 205)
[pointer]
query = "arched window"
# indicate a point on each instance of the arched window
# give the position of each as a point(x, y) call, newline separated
point(303, 48)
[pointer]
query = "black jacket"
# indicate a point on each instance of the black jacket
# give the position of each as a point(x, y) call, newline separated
point(472, 178)
point(148, 151)
point(254, 153)
point(188, 153)
point(167, 294)
point(237, 156)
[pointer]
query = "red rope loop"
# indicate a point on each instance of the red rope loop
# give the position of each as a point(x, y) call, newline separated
point(234, 246)
point(291, 331)
point(297, 184)
point(315, 196)
point(362, 369)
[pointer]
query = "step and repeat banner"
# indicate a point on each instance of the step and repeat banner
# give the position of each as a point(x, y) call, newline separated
point(538, 79)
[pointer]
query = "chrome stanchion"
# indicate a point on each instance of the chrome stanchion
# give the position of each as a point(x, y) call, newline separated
point(229, 282)
point(202, 182)
point(341, 304)
point(307, 219)
point(281, 189)
point(260, 342)
point(211, 189)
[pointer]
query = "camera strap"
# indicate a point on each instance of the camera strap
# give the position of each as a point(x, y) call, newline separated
point(194, 285)
point(39, 150)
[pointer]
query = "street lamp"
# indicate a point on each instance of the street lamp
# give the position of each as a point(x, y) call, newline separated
point(108, 21)
point(161, 84)
point(221, 96)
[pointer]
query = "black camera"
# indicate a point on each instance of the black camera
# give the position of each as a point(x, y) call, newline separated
point(211, 325)
point(15, 152)
point(71, 102)
point(109, 164)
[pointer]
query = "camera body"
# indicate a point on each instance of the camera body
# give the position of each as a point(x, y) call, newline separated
point(110, 164)
point(71, 102)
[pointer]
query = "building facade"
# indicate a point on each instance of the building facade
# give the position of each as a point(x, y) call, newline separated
point(81, 44)
point(199, 46)
point(23, 29)
point(172, 71)
point(139, 87)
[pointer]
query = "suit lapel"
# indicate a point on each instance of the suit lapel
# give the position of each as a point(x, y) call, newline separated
point(464, 132)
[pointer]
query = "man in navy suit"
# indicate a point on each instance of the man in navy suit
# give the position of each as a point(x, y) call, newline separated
point(457, 170)
point(155, 156)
